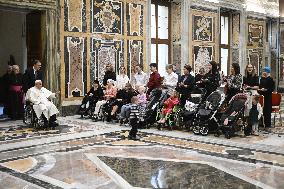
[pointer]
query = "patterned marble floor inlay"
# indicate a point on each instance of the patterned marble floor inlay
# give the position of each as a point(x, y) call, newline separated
point(166, 174)
point(96, 155)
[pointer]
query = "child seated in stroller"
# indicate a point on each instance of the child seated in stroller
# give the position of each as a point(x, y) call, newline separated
point(169, 104)
point(125, 109)
point(89, 101)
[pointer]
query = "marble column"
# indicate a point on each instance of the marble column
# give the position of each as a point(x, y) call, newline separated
point(243, 40)
point(185, 11)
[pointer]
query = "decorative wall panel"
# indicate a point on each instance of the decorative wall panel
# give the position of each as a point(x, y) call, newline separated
point(134, 17)
point(255, 58)
point(204, 37)
point(105, 52)
point(75, 60)
point(176, 21)
point(202, 56)
point(202, 28)
point(75, 15)
point(107, 17)
point(134, 55)
point(255, 35)
point(236, 29)
point(177, 57)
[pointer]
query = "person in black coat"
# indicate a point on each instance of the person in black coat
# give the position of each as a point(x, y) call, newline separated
point(199, 77)
point(185, 84)
point(31, 75)
point(5, 91)
point(109, 74)
point(211, 79)
point(123, 97)
point(16, 93)
point(266, 87)
point(93, 96)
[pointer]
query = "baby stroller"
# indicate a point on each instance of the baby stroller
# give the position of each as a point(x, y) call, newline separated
point(184, 115)
point(157, 99)
point(206, 118)
point(232, 119)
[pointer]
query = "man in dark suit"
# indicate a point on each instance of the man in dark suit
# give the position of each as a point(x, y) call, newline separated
point(32, 74)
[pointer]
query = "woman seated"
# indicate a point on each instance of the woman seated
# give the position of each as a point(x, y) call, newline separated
point(123, 97)
point(109, 95)
point(90, 100)
point(169, 104)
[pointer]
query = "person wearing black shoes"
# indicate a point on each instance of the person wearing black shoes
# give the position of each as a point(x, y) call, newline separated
point(134, 119)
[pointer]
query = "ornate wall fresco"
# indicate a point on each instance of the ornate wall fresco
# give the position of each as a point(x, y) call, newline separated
point(256, 42)
point(107, 17)
point(202, 28)
point(134, 55)
point(255, 35)
point(75, 66)
point(176, 34)
point(105, 52)
point(204, 38)
point(75, 16)
point(134, 17)
point(202, 56)
point(103, 32)
point(255, 57)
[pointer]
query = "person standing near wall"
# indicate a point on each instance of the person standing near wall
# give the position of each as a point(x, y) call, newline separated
point(5, 90)
point(155, 79)
point(31, 75)
point(266, 87)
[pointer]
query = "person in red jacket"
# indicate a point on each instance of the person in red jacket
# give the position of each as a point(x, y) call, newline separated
point(155, 80)
point(169, 104)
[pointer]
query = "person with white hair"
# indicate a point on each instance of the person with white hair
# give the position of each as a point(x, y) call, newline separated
point(109, 94)
point(40, 98)
point(15, 83)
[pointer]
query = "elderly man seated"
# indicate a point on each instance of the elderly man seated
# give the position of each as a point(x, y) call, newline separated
point(40, 97)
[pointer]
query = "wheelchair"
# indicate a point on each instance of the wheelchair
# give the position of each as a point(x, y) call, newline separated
point(30, 117)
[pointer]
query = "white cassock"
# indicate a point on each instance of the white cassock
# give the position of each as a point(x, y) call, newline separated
point(41, 104)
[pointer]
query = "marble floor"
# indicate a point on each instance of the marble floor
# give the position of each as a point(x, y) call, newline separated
point(97, 155)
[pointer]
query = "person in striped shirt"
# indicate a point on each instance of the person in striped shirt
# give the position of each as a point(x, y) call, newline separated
point(134, 118)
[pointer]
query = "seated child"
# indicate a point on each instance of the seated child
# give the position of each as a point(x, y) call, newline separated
point(255, 113)
point(169, 105)
point(134, 118)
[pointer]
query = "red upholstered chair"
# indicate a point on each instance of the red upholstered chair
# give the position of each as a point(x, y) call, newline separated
point(276, 106)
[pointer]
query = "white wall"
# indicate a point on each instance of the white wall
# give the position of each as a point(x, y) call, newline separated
point(12, 39)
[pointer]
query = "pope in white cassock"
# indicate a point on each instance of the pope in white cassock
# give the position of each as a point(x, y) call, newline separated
point(40, 96)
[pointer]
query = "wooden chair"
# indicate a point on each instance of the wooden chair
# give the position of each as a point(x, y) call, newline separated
point(276, 106)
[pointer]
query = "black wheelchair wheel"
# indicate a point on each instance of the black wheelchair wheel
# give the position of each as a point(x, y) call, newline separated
point(28, 115)
point(204, 130)
point(196, 129)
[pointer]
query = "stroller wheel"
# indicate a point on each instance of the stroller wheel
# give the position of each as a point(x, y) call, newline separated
point(227, 135)
point(195, 130)
point(218, 133)
point(204, 130)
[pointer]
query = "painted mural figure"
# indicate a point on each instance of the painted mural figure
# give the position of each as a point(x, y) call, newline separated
point(203, 27)
point(202, 60)
point(107, 18)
